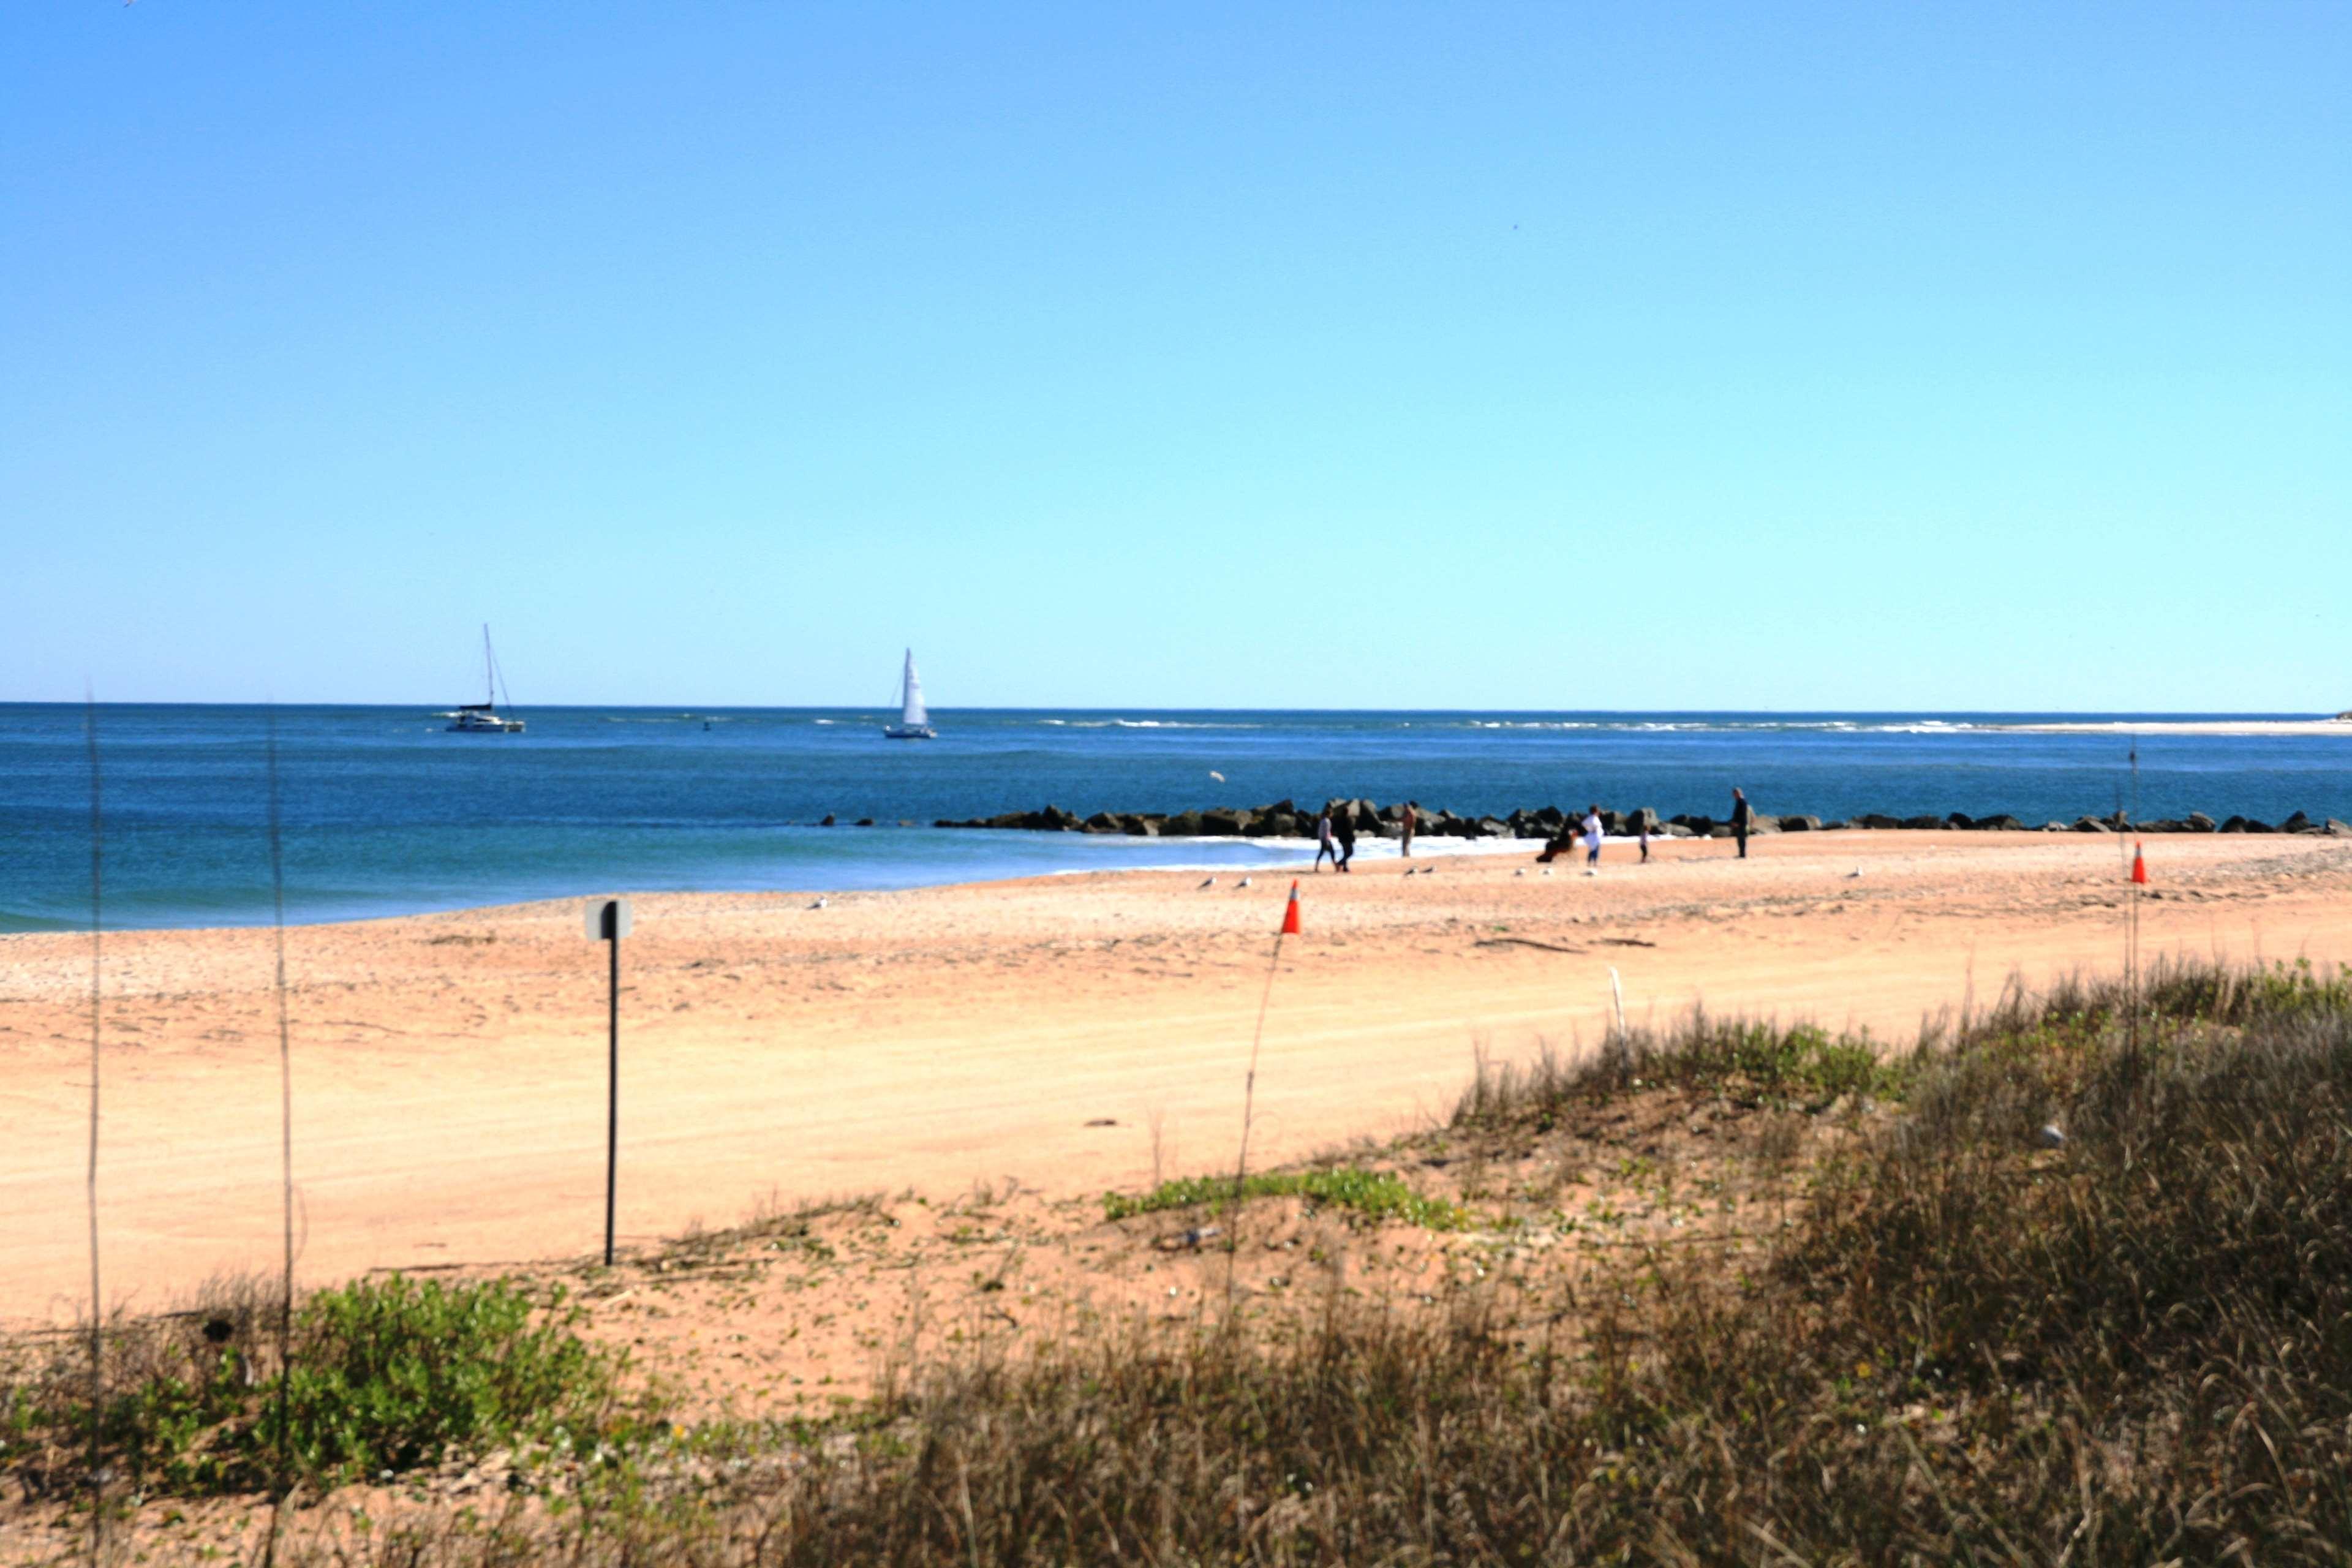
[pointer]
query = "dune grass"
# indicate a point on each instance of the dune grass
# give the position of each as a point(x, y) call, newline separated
point(2133, 1347)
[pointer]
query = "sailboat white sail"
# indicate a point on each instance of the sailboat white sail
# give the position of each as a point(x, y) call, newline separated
point(483, 718)
point(914, 718)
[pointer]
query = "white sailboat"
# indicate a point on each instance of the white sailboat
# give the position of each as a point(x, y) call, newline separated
point(482, 718)
point(914, 719)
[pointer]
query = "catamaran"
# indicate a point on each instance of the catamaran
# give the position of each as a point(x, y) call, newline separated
point(482, 718)
point(914, 719)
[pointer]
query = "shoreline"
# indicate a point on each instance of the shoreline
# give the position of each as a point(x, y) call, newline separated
point(1266, 854)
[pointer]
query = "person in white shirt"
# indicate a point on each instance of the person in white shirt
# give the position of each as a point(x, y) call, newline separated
point(1593, 838)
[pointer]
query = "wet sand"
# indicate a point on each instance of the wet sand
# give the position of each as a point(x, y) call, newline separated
point(1076, 1032)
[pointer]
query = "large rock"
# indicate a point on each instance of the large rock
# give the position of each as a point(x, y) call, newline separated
point(1221, 822)
point(1674, 830)
point(2298, 823)
point(1639, 817)
point(1877, 821)
point(1139, 824)
point(1800, 825)
point(2004, 823)
point(2335, 830)
point(1923, 824)
point(1183, 824)
point(2091, 824)
point(1758, 822)
point(1272, 823)
point(1960, 820)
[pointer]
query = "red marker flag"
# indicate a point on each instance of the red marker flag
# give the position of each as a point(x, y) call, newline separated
point(1290, 911)
point(2139, 866)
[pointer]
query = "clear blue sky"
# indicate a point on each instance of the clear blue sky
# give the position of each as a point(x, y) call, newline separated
point(1758, 356)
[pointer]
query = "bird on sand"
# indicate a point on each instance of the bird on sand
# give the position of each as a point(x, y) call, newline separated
point(1209, 883)
point(819, 904)
point(1243, 883)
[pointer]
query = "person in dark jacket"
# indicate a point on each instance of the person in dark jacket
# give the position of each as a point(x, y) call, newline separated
point(1343, 822)
point(1739, 818)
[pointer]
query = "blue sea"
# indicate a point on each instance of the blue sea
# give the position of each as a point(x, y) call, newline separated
point(385, 811)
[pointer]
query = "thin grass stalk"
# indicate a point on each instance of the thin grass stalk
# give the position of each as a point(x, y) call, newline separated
point(278, 1482)
point(97, 1309)
point(1249, 1103)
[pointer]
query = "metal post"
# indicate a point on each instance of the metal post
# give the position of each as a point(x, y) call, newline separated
point(612, 1083)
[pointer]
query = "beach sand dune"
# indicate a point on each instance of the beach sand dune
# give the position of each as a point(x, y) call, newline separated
point(1077, 1032)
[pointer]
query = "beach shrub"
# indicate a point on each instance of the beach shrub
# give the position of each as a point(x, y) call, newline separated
point(394, 1373)
point(388, 1375)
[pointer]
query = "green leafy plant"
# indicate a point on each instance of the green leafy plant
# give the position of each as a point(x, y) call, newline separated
point(1375, 1194)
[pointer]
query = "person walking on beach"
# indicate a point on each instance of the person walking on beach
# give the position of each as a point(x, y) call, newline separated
point(1593, 841)
point(1405, 826)
point(1643, 823)
point(1323, 844)
point(1344, 825)
point(1740, 815)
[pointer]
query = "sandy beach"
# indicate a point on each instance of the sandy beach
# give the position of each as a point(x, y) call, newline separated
point(1077, 1033)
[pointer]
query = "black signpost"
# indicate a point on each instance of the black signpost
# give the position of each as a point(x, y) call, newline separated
point(608, 922)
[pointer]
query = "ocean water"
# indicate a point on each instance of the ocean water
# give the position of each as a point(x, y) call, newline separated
point(386, 813)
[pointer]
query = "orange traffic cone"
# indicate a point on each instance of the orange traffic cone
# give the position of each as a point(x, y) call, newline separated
point(2139, 865)
point(1290, 911)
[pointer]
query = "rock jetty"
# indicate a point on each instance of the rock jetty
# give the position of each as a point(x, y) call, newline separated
point(1287, 819)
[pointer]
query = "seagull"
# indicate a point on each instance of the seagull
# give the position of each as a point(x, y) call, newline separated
point(819, 904)
point(1209, 883)
point(1243, 883)
point(1850, 876)
point(1216, 775)
point(1546, 871)
point(1520, 873)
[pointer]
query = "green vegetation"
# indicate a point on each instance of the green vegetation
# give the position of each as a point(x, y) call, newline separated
point(1757, 1062)
point(388, 1375)
point(1375, 1194)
